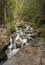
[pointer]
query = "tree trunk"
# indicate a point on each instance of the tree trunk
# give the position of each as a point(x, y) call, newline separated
point(4, 15)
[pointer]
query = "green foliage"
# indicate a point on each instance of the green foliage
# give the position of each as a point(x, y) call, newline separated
point(12, 28)
point(24, 9)
point(30, 9)
point(43, 34)
point(22, 24)
point(10, 9)
point(1, 13)
point(38, 23)
point(7, 8)
point(8, 33)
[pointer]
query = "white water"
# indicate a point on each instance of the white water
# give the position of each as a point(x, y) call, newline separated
point(12, 47)
point(14, 51)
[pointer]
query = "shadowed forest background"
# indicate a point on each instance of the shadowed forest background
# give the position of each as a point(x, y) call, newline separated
point(28, 10)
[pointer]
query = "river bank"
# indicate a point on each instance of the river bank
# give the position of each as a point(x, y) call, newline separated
point(24, 35)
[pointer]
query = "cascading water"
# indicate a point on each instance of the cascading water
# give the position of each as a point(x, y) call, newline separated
point(12, 48)
point(13, 44)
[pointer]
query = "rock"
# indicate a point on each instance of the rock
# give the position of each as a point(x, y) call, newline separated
point(28, 55)
point(3, 38)
point(40, 30)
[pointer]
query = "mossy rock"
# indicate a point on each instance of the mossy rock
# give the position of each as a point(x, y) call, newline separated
point(18, 45)
point(3, 55)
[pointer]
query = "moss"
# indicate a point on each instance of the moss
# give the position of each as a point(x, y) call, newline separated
point(3, 55)
point(43, 34)
point(18, 45)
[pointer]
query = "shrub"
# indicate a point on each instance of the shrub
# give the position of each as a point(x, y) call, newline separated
point(38, 23)
point(22, 24)
point(12, 28)
point(8, 33)
point(43, 34)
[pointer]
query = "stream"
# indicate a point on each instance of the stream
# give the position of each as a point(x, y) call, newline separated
point(23, 37)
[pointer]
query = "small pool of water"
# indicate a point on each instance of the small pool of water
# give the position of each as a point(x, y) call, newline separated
point(2, 61)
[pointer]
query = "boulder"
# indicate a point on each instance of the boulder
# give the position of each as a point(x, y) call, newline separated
point(28, 55)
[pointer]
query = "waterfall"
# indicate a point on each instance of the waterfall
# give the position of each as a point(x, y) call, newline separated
point(10, 40)
point(13, 44)
point(17, 37)
point(10, 46)
point(24, 41)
